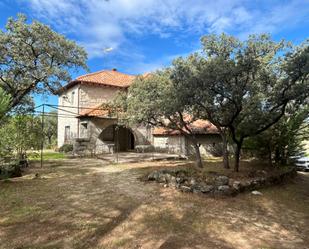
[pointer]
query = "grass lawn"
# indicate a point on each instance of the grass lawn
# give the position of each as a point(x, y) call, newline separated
point(47, 155)
point(88, 203)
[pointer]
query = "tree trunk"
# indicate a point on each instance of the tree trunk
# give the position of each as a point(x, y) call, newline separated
point(198, 159)
point(225, 152)
point(237, 155)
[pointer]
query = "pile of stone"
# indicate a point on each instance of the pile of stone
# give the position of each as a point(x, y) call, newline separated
point(216, 185)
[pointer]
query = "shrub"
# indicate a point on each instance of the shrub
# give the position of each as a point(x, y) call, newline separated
point(10, 170)
point(66, 148)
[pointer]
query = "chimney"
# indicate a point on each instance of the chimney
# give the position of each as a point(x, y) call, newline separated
point(114, 69)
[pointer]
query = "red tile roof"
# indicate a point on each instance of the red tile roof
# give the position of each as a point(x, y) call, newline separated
point(97, 111)
point(102, 110)
point(108, 77)
point(198, 127)
point(111, 78)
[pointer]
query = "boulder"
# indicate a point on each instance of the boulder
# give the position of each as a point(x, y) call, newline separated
point(180, 179)
point(184, 188)
point(168, 177)
point(224, 190)
point(255, 192)
point(221, 180)
point(206, 188)
point(153, 176)
point(192, 181)
point(162, 178)
point(237, 185)
point(172, 181)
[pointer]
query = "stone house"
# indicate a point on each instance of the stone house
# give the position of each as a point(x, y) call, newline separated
point(85, 120)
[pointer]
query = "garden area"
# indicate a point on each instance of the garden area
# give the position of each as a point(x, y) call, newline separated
point(85, 203)
point(252, 94)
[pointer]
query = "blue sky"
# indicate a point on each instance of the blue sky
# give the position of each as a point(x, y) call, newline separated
point(137, 36)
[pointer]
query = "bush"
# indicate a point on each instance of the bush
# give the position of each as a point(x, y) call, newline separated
point(10, 170)
point(66, 148)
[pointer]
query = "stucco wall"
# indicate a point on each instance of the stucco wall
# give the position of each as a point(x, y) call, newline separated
point(66, 112)
point(84, 96)
point(209, 144)
point(172, 144)
point(91, 95)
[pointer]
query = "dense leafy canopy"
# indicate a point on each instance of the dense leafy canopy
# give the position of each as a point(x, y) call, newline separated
point(4, 102)
point(153, 100)
point(242, 87)
point(19, 134)
point(35, 59)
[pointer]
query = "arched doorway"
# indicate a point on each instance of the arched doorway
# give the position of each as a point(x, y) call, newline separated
point(119, 136)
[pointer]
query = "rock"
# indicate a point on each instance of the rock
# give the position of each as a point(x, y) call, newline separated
point(255, 192)
point(165, 185)
point(196, 190)
point(192, 181)
point(161, 178)
point(168, 177)
point(221, 180)
point(237, 185)
point(206, 188)
point(184, 188)
point(179, 180)
point(153, 176)
point(172, 181)
point(224, 188)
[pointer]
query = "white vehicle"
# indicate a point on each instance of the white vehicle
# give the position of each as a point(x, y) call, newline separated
point(302, 163)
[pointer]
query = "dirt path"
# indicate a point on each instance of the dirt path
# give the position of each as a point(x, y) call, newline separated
point(88, 204)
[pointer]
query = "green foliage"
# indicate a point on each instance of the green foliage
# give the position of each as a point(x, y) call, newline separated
point(19, 134)
point(66, 148)
point(35, 59)
point(4, 102)
point(10, 170)
point(50, 129)
point(243, 86)
point(153, 100)
point(47, 155)
point(284, 139)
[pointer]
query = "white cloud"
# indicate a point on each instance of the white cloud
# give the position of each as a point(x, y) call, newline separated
point(98, 24)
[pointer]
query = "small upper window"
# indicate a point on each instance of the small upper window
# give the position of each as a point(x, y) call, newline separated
point(63, 99)
point(72, 97)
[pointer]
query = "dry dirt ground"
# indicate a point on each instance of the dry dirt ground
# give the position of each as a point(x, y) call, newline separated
point(89, 204)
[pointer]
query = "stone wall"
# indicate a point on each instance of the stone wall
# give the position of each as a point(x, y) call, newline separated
point(95, 128)
point(218, 184)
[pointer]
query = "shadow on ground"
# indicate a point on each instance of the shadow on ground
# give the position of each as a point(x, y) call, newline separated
point(86, 203)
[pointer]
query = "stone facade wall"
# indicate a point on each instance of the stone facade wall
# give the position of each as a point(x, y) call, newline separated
point(91, 95)
point(171, 144)
point(210, 144)
point(90, 128)
point(79, 96)
point(67, 103)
